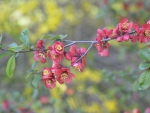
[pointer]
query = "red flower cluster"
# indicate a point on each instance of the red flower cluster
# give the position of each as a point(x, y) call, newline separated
point(56, 53)
point(73, 55)
point(122, 33)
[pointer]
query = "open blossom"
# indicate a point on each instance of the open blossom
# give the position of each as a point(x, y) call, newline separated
point(105, 33)
point(135, 37)
point(50, 83)
point(63, 75)
point(74, 54)
point(40, 55)
point(48, 78)
point(47, 73)
point(102, 47)
point(125, 26)
point(123, 29)
point(56, 51)
point(144, 33)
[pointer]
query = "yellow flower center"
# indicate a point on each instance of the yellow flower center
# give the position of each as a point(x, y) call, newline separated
point(125, 25)
point(58, 47)
point(147, 33)
point(42, 55)
point(45, 72)
point(77, 68)
point(64, 76)
point(48, 82)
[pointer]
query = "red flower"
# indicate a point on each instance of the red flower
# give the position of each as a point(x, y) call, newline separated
point(105, 33)
point(102, 48)
point(6, 104)
point(64, 75)
point(74, 54)
point(123, 29)
point(135, 37)
point(135, 110)
point(104, 53)
point(124, 26)
point(40, 56)
point(56, 51)
point(44, 100)
point(144, 33)
point(50, 83)
point(48, 78)
point(40, 44)
point(147, 110)
point(47, 73)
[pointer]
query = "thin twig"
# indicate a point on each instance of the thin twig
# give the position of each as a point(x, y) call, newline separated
point(83, 54)
point(69, 44)
point(72, 42)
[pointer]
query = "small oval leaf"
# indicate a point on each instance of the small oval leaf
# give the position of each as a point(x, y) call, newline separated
point(24, 36)
point(34, 65)
point(144, 80)
point(144, 65)
point(144, 54)
point(10, 66)
point(36, 79)
point(5, 54)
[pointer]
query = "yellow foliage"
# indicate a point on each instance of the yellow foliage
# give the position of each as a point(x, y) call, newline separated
point(71, 102)
point(93, 108)
point(93, 75)
point(133, 8)
point(27, 92)
point(57, 92)
point(117, 6)
point(111, 105)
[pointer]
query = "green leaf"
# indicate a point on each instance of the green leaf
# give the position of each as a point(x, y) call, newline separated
point(31, 45)
point(1, 39)
point(24, 36)
point(62, 36)
point(30, 72)
point(144, 80)
point(144, 54)
point(17, 54)
point(53, 37)
point(10, 66)
point(19, 48)
point(36, 79)
point(34, 65)
point(5, 54)
point(144, 65)
point(13, 45)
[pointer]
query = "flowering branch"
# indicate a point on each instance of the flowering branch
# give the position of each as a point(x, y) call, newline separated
point(124, 31)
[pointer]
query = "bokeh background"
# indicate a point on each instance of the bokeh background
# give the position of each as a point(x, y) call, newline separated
point(108, 85)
